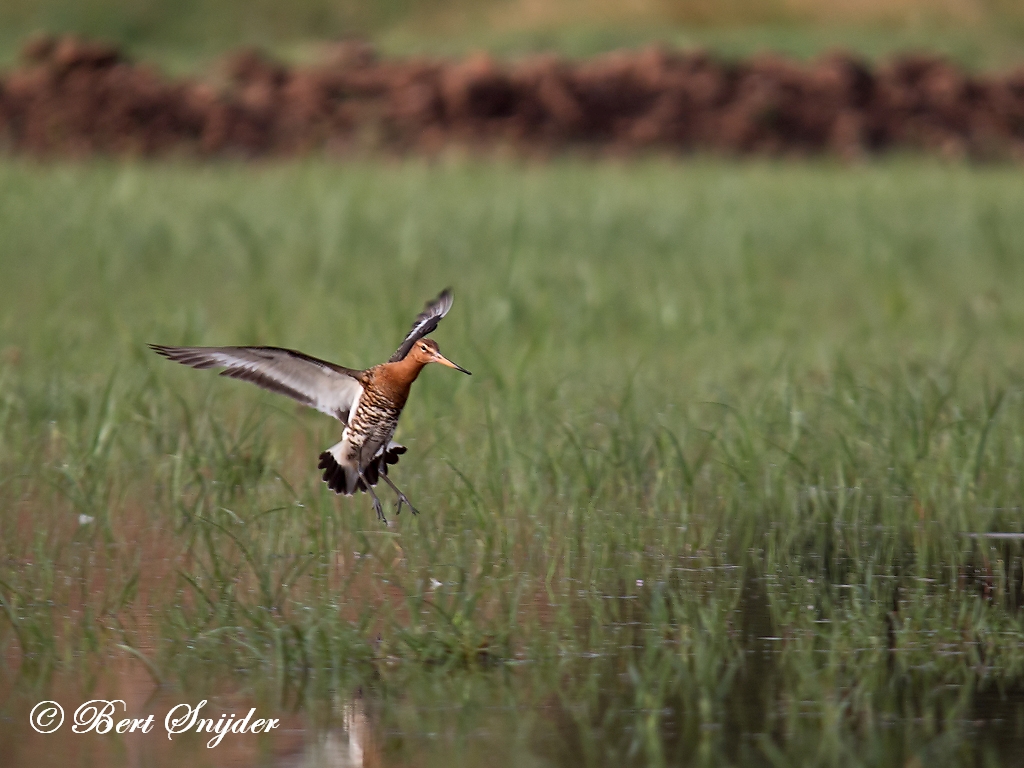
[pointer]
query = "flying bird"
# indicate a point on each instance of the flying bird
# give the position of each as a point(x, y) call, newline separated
point(367, 402)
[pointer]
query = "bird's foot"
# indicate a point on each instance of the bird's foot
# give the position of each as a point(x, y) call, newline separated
point(380, 511)
point(403, 499)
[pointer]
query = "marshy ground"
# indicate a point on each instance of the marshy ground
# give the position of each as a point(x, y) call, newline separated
point(722, 490)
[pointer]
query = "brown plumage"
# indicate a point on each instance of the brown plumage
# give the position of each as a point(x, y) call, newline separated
point(368, 402)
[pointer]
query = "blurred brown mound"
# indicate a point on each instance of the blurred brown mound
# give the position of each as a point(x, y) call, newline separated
point(75, 97)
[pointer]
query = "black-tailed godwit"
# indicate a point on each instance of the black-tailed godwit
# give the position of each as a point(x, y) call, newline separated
point(367, 402)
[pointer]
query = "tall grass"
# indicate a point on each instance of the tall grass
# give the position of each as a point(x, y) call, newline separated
point(731, 428)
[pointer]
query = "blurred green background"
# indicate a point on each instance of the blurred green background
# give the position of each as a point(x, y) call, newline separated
point(184, 34)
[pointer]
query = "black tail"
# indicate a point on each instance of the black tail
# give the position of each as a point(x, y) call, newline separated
point(336, 476)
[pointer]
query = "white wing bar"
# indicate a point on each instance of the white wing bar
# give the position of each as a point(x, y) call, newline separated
point(425, 322)
point(329, 388)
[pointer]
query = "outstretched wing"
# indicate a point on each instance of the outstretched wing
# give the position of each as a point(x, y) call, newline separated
point(325, 386)
point(425, 323)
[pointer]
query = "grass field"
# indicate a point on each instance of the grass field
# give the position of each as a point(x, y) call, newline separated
point(735, 438)
point(189, 37)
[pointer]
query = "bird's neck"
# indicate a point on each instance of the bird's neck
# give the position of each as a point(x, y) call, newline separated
point(395, 379)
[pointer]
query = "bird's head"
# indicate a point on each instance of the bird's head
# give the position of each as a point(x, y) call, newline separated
point(425, 351)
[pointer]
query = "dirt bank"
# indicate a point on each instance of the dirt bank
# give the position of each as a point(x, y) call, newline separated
point(71, 97)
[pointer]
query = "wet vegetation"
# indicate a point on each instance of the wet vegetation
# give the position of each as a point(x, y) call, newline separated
point(737, 478)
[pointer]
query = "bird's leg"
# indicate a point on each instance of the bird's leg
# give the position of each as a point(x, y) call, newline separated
point(401, 496)
point(376, 502)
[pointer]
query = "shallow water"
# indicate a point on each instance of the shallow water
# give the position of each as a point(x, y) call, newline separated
point(595, 710)
point(368, 729)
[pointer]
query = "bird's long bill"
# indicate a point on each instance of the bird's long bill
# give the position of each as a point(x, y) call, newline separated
point(445, 361)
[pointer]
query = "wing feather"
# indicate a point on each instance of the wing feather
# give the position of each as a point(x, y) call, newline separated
point(425, 323)
point(319, 384)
